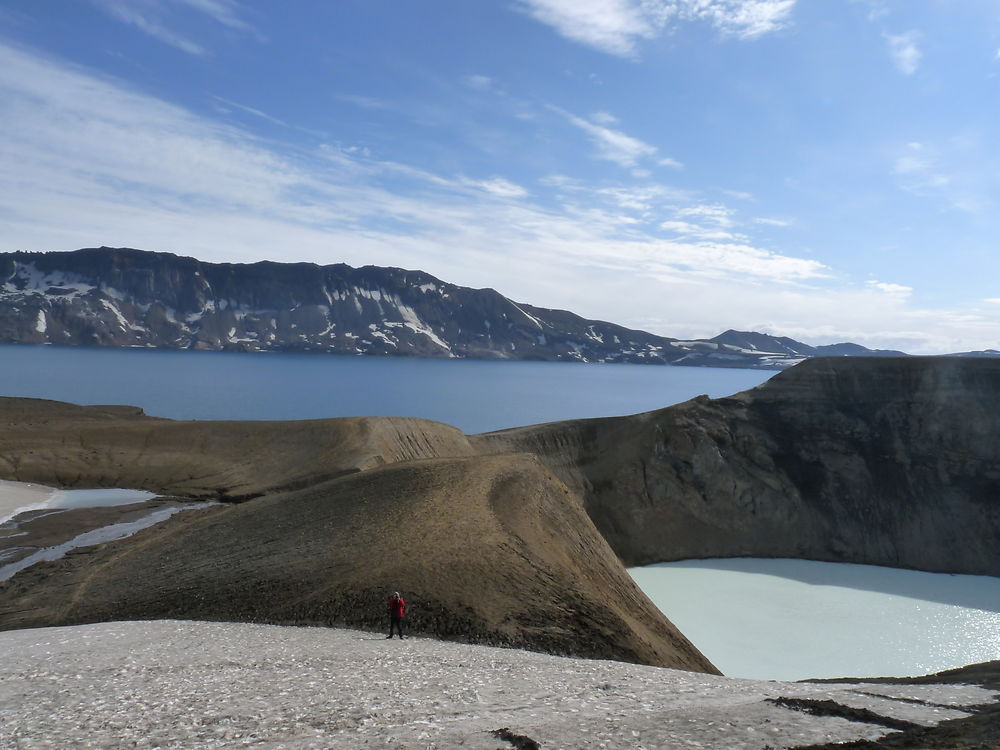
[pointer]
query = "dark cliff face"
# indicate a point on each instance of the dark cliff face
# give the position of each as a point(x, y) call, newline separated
point(883, 461)
point(122, 297)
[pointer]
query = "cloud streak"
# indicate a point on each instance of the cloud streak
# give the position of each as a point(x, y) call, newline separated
point(617, 26)
point(149, 16)
point(616, 145)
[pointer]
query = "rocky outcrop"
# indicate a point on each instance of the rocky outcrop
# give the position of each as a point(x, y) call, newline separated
point(73, 446)
point(883, 461)
point(123, 297)
point(334, 514)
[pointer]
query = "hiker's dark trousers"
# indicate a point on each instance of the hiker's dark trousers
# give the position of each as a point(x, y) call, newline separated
point(397, 623)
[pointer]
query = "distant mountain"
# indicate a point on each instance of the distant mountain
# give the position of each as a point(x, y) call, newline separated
point(764, 343)
point(133, 298)
point(982, 353)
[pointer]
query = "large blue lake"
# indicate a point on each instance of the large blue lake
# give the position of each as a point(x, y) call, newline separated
point(475, 396)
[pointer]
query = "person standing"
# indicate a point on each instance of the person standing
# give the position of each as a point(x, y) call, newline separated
point(397, 611)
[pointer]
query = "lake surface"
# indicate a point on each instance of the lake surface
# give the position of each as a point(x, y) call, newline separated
point(796, 619)
point(473, 395)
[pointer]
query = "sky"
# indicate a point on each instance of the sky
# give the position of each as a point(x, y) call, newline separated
point(826, 170)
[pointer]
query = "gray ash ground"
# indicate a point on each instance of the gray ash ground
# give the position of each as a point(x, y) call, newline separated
point(169, 684)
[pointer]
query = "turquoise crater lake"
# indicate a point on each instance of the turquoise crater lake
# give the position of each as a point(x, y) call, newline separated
point(799, 619)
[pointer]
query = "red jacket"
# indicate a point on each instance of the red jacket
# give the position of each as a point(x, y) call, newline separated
point(397, 608)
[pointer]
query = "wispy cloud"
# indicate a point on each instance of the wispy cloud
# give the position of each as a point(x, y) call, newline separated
point(227, 12)
point(478, 82)
point(877, 9)
point(250, 110)
point(365, 102)
point(886, 288)
point(714, 213)
point(86, 160)
point(769, 222)
point(953, 171)
point(145, 15)
point(150, 17)
point(616, 26)
point(499, 187)
point(615, 145)
point(904, 51)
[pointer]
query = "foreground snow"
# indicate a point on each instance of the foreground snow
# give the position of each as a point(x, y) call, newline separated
point(215, 685)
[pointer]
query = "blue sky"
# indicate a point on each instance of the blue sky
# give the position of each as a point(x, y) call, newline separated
point(828, 171)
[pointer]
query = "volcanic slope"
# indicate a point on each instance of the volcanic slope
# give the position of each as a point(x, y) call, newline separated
point(884, 461)
point(492, 549)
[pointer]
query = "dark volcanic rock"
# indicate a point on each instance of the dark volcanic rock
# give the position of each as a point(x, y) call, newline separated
point(887, 461)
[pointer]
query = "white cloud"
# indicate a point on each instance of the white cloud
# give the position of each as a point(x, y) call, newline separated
point(616, 26)
point(500, 187)
point(774, 222)
point(746, 19)
point(992, 300)
point(615, 145)
point(86, 161)
point(715, 213)
point(609, 25)
point(904, 51)
point(895, 289)
point(666, 161)
point(697, 232)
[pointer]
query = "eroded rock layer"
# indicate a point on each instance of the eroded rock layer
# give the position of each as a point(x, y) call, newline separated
point(880, 461)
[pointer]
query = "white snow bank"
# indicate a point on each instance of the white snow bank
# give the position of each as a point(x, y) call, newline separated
point(191, 684)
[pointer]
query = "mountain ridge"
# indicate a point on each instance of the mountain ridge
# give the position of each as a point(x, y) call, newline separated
point(124, 297)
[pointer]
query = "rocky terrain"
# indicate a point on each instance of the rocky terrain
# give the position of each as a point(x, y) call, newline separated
point(213, 685)
point(335, 513)
point(517, 537)
point(867, 460)
point(123, 297)
point(514, 538)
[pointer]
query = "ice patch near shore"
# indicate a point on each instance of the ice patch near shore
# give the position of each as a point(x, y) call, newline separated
point(14, 493)
point(96, 536)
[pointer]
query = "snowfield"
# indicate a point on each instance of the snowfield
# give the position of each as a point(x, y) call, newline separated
point(170, 684)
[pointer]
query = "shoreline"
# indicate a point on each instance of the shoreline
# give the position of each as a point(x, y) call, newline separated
point(19, 496)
